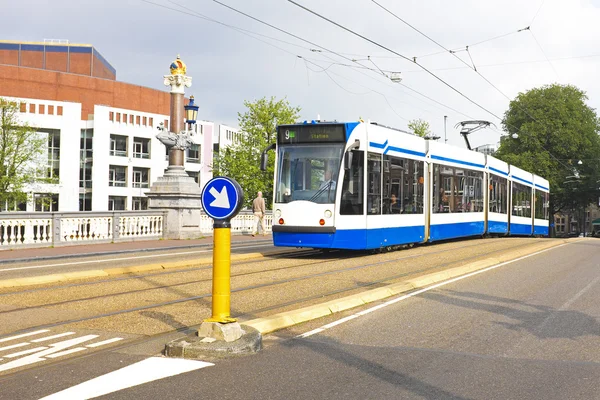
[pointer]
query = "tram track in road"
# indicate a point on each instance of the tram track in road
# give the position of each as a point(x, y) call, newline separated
point(266, 285)
point(299, 253)
point(204, 250)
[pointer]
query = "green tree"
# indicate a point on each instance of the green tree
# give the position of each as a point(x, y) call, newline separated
point(22, 152)
point(419, 127)
point(242, 160)
point(556, 129)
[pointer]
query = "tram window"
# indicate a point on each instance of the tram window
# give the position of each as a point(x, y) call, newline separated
point(542, 205)
point(374, 184)
point(460, 190)
point(352, 202)
point(498, 188)
point(521, 200)
point(402, 185)
point(308, 173)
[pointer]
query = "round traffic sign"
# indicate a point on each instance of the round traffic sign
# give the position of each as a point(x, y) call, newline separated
point(222, 198)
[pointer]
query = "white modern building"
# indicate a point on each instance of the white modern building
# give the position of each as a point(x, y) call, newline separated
point(107, 162)
point(226, 136)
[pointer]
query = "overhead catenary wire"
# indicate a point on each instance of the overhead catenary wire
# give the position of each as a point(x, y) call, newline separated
point(356, 65)
point(477, 72)
point(544, 53)
point(394, 52)
point(314, 44)
point(249, 33)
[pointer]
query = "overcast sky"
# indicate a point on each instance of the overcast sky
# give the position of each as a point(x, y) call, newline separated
point(228, 66)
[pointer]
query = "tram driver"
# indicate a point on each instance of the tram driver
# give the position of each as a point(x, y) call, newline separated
point(328, 182)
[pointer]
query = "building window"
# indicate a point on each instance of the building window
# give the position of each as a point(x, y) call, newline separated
point(193, 153)
point(118, 145)
point(139, 203)
point(12, 206)
point(59, 110)
point(85, 159)
point(45, 202)
point(51, 110)
point(141, 177)
point(85, 201)
point(53, 153)
point(141, 147)
point(117, 203)
point(53, 166)
point(117, 176)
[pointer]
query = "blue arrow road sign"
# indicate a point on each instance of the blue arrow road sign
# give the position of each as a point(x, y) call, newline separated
point(222, 198)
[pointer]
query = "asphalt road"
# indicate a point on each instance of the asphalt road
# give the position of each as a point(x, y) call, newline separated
point(529, 329)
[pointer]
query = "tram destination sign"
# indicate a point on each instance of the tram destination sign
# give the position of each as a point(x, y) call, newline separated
point(314, 133)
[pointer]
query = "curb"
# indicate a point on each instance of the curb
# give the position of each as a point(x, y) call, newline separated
point(100, 273)
point(287, 319)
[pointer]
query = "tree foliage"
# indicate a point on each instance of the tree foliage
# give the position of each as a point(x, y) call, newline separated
point(419, 127)
point(556, 129)
point(21, 154)
point(242, 160)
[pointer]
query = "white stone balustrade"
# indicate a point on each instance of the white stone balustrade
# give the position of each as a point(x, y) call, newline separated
point(22, 229)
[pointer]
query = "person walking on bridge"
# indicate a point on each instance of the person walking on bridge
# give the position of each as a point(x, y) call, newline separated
point(258, 207)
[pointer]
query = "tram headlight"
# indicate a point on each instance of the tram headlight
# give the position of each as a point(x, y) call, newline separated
point(321, 222)
point(328, 214)
point(280, 221)
point(277, 214)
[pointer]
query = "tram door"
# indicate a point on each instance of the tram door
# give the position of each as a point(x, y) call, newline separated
point(351, 221)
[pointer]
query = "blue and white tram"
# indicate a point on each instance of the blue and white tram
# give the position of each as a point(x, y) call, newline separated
point(364, 186)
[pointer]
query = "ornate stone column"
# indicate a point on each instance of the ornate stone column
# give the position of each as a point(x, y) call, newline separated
point(177, 192)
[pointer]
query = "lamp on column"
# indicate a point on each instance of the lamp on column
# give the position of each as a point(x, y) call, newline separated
point(191, 111)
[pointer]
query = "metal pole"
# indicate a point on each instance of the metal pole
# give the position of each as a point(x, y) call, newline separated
point(445, 118)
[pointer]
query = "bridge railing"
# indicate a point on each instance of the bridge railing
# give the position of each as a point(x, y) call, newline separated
point(25, 229)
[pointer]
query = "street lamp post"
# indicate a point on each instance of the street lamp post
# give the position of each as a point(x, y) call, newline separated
point(176, 193)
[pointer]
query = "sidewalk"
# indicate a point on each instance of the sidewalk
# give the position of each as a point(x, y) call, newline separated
point(94, 249)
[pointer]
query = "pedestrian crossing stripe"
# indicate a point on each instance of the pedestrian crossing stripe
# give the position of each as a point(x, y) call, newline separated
point(51, 346)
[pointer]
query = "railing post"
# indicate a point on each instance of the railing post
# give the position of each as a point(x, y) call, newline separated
point(116, 225)
point(56, 228)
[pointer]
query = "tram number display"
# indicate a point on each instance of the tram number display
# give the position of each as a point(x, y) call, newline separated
point(311, 133)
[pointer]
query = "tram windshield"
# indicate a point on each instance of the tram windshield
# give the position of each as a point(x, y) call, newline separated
point(308, 172)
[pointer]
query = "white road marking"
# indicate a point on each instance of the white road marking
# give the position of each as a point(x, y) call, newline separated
point(24, 352)
point(406, 296)
point(39, 356)
point(121, 259)
point(64, 353)
point(24, 335)
point(53, 337)
point(136, 374)
point(104, 342)
point(14, 346)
